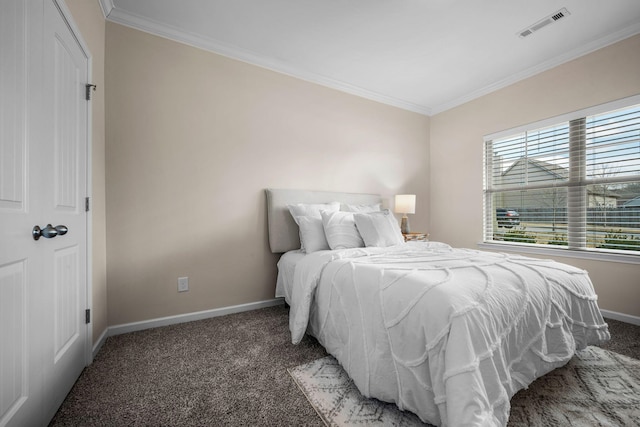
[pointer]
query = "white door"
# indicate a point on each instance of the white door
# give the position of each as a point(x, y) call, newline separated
point(20, 282)
point(43, 176)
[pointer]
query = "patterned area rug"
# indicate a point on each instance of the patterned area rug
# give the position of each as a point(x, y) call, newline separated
point(596, 388)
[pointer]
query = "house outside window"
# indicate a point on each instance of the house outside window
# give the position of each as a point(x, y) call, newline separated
point(572, 182)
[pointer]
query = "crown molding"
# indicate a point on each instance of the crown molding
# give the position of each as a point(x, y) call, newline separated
point(610, 39)
point(162, 30)
point(106, 6)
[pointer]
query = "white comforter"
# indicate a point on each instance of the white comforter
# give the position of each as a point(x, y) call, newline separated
point(449, 334)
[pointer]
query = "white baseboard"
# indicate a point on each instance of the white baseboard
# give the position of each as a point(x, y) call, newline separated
point(181, 318)
point(98, 345)
point(200, 315)
point(190, 317)
point(627, 318)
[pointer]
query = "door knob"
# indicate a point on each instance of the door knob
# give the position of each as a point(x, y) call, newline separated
point(49, 231)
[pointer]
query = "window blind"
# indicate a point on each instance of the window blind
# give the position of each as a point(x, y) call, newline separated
point(572, 184)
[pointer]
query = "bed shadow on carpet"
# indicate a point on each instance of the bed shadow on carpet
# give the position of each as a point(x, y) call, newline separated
point(596, 388)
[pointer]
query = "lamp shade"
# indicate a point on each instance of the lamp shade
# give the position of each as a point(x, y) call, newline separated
point(405, 203)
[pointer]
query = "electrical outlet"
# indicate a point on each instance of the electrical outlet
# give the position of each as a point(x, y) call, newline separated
point(183, 284)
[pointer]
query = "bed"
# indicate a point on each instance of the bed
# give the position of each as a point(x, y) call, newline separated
point(450, 334)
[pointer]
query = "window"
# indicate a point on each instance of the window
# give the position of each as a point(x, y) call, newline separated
point(568, 183)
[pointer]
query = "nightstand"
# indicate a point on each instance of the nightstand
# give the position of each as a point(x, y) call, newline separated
point(416, 237)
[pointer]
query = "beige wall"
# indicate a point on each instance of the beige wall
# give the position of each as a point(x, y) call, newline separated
point(91, 23)
point(194, 138)
point(457, 142)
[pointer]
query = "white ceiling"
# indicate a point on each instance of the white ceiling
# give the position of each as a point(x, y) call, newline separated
point(421, 55)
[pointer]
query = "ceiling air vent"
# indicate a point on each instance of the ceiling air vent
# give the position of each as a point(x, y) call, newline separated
point(562, 13)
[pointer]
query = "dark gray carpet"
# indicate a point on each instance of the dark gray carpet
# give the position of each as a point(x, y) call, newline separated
point(229, 370)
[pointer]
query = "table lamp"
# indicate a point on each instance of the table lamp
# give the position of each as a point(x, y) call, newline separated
point(405, 204)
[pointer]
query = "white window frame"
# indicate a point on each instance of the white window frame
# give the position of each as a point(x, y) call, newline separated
point(570, 252)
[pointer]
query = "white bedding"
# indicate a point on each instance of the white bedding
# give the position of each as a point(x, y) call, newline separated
point(449, 334)
point(286, 268)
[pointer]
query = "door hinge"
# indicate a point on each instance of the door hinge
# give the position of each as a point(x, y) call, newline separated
point(86, 204)
point(88, 88)
point(87, 316)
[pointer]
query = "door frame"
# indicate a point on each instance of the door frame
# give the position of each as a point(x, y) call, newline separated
point(68, 17)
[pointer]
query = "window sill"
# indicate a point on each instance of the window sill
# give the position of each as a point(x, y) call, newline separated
point(560, 252)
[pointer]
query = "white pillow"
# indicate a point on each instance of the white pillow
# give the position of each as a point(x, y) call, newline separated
point(312, 209)
point(379, 228)
point(312, 236)
point(362, 208)
point(340, 230)
point(301, 210)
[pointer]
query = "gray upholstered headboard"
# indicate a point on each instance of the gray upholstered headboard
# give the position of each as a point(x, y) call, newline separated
point(283, 231)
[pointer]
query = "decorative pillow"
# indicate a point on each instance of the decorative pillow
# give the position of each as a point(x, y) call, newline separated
point(301, 210)
point(362, 208)
point(340, 230)
point(312, 236)
point(379, 228)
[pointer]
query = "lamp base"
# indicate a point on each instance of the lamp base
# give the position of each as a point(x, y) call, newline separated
point(404, 225)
